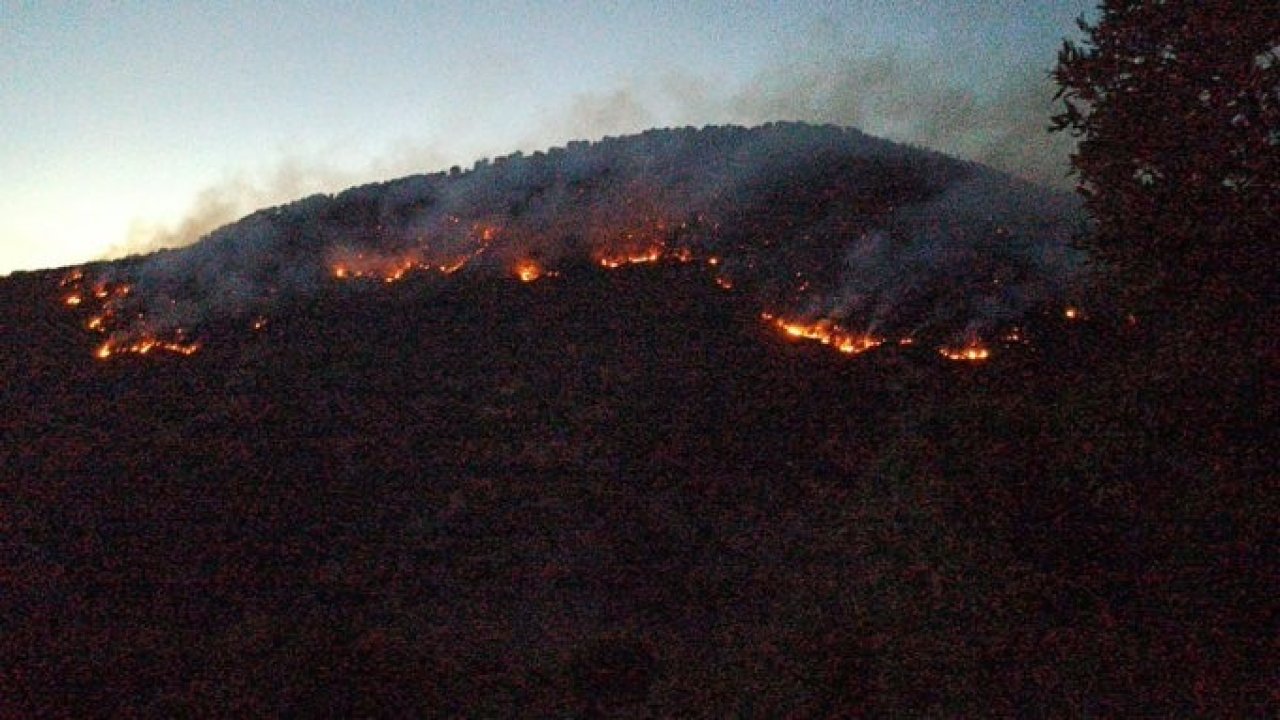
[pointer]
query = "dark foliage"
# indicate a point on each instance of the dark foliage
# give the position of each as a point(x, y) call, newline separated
point(1177, 104)
point(497, 500)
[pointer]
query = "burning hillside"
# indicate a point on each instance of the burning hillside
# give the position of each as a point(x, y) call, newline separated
point(836, 236)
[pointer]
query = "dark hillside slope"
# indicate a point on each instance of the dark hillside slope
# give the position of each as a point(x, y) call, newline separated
point(339, 460)
point(603, 493)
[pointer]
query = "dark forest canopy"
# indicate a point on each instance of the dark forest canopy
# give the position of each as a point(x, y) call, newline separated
point(1177, 107)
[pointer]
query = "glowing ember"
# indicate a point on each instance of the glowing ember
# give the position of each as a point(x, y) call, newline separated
point(1072, 313)
point(453, 267)
point(724, 282)
point(827, 333)
point(106, 301)
point(145, 346)
point(259, 323)
point(528, 270)
point(973, 352)
point(653, 254)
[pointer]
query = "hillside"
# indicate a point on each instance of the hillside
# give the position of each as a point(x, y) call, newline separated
point(610, 491)
point(815, 223)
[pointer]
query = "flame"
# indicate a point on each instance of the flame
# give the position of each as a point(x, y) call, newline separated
point(105, 300)
point(1015, 336)
point(453, 267)
point(145, 346)
point(528, 270)
point(827, 333)
point(974, 351)
point(652, 254)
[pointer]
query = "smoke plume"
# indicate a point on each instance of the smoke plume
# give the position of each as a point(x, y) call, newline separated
point(816, 222)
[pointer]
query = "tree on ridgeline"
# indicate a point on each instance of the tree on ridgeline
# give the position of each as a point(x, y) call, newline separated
point(1177, 107)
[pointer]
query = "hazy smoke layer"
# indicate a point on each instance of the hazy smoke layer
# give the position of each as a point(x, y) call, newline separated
point(811, 221)
point(904, 97)
point(891, 94)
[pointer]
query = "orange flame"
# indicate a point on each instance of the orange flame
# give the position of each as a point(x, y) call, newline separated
point(652, 254)
point(528, 270)
point(972, 352)
point(827, 333)
point(145, 346)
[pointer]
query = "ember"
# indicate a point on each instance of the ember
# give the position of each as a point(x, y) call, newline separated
point(973, 352)
point(827, 333)
point(652, 254)
point(528, 270)
point(106, 300)
point(144, 347)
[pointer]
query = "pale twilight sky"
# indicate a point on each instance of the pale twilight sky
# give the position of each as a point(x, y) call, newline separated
point(126, 125)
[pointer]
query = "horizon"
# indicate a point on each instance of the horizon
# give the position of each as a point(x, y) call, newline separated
point(126, 141)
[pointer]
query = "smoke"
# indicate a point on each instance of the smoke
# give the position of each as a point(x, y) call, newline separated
point(890, 93)
point(903, 96)
point(911, 100)
point(284, 180)
point(809, 221)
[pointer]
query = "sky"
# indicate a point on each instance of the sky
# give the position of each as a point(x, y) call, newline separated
point(128, 126)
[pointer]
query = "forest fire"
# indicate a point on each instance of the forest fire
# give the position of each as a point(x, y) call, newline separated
point(390, 269)
point(528, 270)
point(971, 352)
point(652, 254)
point(105, 302)
point(384, 269)
point(145, 346)
point(827, 333)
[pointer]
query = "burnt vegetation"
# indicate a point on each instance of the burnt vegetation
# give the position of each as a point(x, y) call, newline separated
point(619, 493)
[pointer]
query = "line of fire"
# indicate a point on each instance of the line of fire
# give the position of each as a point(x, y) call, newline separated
point(126, 330)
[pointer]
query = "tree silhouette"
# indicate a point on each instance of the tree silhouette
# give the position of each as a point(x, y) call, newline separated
point(1177, 104)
